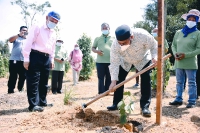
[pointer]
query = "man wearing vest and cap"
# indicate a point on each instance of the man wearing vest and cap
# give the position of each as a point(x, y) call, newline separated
point(38, 52)
point(136, 48)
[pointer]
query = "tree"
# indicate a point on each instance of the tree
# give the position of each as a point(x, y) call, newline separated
point(88, 61)
point(144, 25)
point(4, 48)
point(30, 10)
point(174, 22)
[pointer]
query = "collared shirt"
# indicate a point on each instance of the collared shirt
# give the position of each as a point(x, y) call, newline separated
point(103, 43)
point(40, 38)
point(16, 53)
point(60, 53)
point(190, 46)
point(142, 49)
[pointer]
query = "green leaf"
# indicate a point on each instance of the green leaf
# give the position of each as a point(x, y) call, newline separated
point(120, 104)
point(127, 93)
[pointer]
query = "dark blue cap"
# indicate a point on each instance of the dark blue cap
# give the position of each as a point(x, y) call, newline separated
point(54, 15)
point(123, 32)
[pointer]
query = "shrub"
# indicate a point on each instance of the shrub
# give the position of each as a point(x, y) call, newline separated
point(166, 73)
point(4, 66)
point(88, 61)
point(67, 66)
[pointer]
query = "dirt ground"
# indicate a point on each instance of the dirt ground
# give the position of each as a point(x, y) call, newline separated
point(15, 117)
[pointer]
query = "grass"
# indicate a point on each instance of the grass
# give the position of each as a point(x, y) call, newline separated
point(68, 96)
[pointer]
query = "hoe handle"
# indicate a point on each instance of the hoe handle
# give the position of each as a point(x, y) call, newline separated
point(125, 81)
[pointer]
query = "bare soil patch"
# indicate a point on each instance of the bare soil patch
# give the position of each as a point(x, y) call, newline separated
point(15, 117)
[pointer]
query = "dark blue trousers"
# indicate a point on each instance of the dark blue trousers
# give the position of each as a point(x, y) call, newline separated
point(104, 79)
point(37, 79)
point(145, 87)
point(198, 76)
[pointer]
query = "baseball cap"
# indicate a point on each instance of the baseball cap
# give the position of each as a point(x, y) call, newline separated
point(54, 15)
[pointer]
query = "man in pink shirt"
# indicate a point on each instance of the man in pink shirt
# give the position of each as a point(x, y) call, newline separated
point(38, 52)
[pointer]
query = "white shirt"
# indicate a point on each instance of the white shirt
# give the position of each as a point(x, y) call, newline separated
point(142, 49)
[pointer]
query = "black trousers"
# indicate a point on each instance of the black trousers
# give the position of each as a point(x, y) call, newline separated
point(145, 87)
point(104, 79)
point(16, 70)
point(37, 79)
point(57, 80)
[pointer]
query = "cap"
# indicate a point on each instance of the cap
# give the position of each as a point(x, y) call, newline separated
point(54, 15)
point(123, 32)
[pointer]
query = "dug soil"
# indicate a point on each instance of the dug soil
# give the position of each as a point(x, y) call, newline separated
point(72, 118)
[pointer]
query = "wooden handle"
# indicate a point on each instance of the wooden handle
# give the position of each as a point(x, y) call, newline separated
point(139, 73)
point(125, 81)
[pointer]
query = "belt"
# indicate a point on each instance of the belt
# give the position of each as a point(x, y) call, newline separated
point(35, 51)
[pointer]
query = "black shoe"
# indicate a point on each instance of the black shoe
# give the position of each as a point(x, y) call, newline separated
point(59, 91)
point(190, 105)
point(145, 112)
point(36, 109)
point(47, 105)
point(10, 91)
point(20, 90)
point(54, 92)
point(113, 107)
point(175, 103)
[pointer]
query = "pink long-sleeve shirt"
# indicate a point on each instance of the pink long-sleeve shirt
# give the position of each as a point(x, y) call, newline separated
point(40, 38)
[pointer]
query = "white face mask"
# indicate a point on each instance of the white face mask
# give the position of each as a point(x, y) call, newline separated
point(124, 47)
point(58, 44)
point(76, 48)
point(191, 24)
point(154, 34)
point(105, 32)
point(51, 25)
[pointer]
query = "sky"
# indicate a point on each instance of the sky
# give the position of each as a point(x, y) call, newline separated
point(77, 17)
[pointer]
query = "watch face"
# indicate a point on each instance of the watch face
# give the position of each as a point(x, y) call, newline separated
point(25, 33)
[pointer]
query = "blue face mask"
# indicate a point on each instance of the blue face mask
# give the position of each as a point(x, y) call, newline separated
point(105, 32)
point(51, 25)
point(154, 34)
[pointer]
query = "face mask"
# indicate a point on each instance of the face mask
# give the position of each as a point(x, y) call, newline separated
point(76, 48)
point(191, 24)
point(58, 44)
point(124, 47)
point(105, 32)
point(51, 25)
point(154, 34)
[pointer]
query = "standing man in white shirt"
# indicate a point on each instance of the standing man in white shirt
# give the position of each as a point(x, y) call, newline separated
point(132, 47)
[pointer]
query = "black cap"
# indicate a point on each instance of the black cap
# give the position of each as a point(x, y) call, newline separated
point(123, 32)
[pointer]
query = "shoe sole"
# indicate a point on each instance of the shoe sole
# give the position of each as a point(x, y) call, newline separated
point(193, 106)
point(145, 115)
point(36, 110)
point(112, 109)
point(176, 104)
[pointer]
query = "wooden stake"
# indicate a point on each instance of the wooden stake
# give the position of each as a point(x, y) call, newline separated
point(160, 61)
